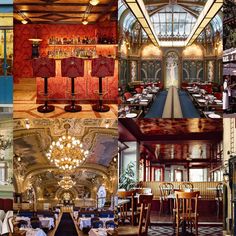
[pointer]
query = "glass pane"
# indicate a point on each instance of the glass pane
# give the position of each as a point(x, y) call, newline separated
point(8, 43)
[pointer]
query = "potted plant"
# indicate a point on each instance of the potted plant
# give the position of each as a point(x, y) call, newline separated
point(128, 180)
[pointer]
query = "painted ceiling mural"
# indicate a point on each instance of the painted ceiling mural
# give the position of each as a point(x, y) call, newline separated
point(32, 139)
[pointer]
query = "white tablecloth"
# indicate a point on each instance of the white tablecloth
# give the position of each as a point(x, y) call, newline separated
point(27, 219)
point(85, 222)
point(5, 228)
point(33, 232)
point(46, 222)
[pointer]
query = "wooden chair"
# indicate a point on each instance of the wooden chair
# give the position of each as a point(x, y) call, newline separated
point(166, 189)
point(125, 212)
point(13, 228)
point(187, 210)
point(144, 219)
point(186, 187)
point(219, 196)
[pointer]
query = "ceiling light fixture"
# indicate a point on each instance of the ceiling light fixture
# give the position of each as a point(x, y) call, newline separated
point(84, 22)
point(211, 8)
point(67, 153)
point(66, 182)
point(94, 2)
point(24, 22)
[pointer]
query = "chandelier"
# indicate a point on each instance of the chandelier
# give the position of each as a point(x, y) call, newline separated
point(67, 153)
point(66, 182)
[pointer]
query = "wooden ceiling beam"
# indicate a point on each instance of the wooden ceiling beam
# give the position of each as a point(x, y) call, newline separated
point(58, 12)
point(56, 4)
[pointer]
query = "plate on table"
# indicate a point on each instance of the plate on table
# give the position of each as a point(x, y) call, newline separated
point(218, 101)
point(197, 95)
point(144, 100)
point(214, 116)
point(130, 99)
point(131, 115)
point(201, 100)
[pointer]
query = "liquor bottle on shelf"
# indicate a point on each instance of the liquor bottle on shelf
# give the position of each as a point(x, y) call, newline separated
point(85, 40)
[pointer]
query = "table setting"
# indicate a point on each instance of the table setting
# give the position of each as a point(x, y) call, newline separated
point(100, 231)
point(85, 222)
point(128, 112)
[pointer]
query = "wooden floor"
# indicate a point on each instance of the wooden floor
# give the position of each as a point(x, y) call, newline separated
point(25, 105)
point(157, 218)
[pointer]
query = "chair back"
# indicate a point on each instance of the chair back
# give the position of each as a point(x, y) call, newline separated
point(138, 90)
point(103, 66)
point(72, 67)
point(97, 224)
point(127, 95)
point(35, 224)
point(165, 190)
point(186, 187)
point(186, 204)
point(94, 219)
point(124, 209)
point(219, 191)
point(44, 67)
point(146, 203)
point(218, 95)
point(110, 224)
point(10, 224)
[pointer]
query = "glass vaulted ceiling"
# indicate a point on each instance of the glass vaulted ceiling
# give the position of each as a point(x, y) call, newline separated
point(173, 22)
point(170, 22)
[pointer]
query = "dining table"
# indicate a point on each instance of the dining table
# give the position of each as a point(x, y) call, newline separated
point(101, 232)
point(205, 102)
point(47, 222)
point(131, 113)
point(85, 222)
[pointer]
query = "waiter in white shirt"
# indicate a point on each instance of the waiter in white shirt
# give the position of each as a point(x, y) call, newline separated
point(225, 95)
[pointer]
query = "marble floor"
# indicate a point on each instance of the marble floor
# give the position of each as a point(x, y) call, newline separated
point(168, 231)
point(25, 105)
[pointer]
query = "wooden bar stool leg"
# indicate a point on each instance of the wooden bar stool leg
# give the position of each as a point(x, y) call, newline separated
point(46, 108)
point(100, 107)
point(73, 107)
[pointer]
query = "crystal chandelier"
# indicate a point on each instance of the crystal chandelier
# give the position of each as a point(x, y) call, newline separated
point(66, 182)
point(67, 153)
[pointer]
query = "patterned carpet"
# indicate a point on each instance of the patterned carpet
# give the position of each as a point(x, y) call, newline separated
point(168, 231)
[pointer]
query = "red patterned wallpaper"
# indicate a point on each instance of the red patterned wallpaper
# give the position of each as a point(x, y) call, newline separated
point(58, 86)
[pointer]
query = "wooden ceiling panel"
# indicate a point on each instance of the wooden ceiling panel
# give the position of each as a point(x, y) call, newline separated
point(62, 11)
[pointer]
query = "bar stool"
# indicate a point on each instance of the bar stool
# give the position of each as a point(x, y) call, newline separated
point(72, 67)
point(102, 67)
point(44, 67)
